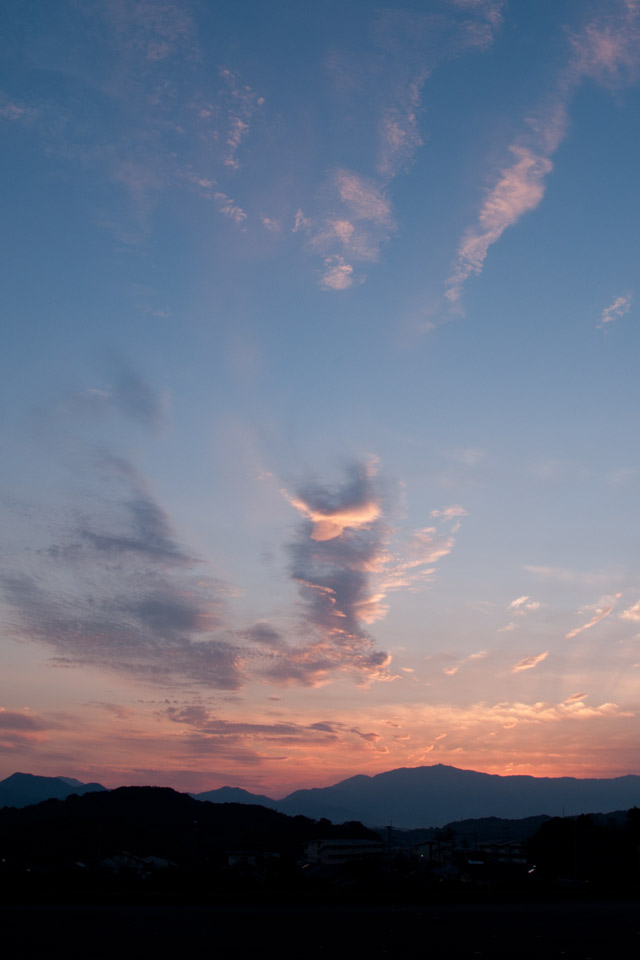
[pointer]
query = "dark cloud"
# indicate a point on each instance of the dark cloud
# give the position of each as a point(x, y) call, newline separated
point(147, 533)
point(136, 399)
point(118, 591)
point(14, 720)
point(336, 552)
point(263, 634)
point(355, 491)
point(239, 739)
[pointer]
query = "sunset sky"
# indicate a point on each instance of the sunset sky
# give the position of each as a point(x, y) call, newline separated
point(320, 389)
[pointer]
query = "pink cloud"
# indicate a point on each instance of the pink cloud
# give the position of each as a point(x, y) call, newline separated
point(601, 610)
point(529, 662)
point(617, 308)
point(300, 222)
point(338, 274)
point(243, 103)
point(271, 224)
point(607, 50)
point(229, 208)
point(343, 229)
point(519, 190)
point(398, 132)
point(330, 522)
point(363, 198)
point(631, 613)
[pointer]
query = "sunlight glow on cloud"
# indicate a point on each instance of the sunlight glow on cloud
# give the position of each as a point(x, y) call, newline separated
point(523, 605)
point(529, 662)
point(345, 561)
point(329, 522)
point(631, 613)
point(600, 610)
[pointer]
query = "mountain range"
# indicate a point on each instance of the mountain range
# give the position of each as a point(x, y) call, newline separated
point(407, 797)
point(23, 789)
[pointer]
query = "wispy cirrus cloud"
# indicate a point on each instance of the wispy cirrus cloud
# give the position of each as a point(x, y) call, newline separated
point(606, 50)
point(490, 10)
point(600, 611)
point(398, 130)
point(243, 104)
point(14, 110)
point(229, 207)
point(452, 670)
point(153, 31)
point(174, 118)
point(567, 575)
point(353, 216)
point(361, 220)
point(519, 607)
point(519, 190)
point(227, 737)
point(616, 309)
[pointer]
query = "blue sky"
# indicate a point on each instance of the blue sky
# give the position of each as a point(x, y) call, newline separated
point(321, 389)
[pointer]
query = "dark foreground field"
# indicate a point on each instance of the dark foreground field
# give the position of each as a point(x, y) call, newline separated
point(568, 931)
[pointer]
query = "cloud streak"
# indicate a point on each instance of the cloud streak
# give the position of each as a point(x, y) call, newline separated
point(600, 611)
point(606, 50)
point(530, 662)
point(519, 190)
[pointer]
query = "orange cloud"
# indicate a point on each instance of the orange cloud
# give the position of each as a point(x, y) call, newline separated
point(329, 524)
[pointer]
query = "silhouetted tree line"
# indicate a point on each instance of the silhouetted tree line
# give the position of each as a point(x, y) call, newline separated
point(101, 841)
point(594, 849)
point(146, 842)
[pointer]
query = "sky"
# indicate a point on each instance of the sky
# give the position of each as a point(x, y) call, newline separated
point(320, 389)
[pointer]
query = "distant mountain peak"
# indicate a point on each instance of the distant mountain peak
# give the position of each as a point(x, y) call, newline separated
point(24, 789)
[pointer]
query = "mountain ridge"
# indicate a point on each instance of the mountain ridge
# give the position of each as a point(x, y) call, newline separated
point(408, 797)
point(24, 789)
